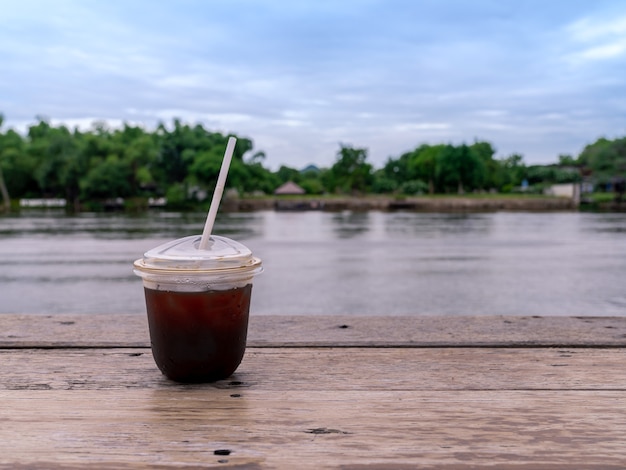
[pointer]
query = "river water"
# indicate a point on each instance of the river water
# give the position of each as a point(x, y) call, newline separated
point(361, 263)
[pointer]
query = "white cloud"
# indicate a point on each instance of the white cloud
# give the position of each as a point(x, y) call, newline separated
point(493, 126)
point(214, 119)
point(492, 113)
point(427, 72)
point(422, 126)
point(552, 116)
point(605, 51)
point(595, 38)
point(178, 81)
point(589, 29)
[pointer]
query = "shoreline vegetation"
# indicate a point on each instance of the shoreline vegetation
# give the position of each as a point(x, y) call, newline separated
point(337, 203)
point(409, 203)
point(106, 168)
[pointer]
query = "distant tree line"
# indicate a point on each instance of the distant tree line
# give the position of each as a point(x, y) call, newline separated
point(181, 162)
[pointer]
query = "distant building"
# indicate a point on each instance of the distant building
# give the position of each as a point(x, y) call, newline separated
point(289, 188)
point(568, 190)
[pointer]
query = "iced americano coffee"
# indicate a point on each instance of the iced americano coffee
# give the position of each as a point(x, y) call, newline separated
point(198, 302)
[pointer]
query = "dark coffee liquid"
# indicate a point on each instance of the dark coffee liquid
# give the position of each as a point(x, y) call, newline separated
point(198, 336)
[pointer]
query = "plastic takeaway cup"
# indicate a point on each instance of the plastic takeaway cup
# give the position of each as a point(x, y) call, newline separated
point(198, 303)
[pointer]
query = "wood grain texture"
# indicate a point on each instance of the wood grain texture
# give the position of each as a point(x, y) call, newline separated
point(357, 393)
point(313, 429)
point(354, 369)
point(332, 331)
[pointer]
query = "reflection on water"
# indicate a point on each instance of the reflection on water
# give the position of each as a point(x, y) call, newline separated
point(116, 226)
point(349, 224)
point(435, 225)
point(397, 263)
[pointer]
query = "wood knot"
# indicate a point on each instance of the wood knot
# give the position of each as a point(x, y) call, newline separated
point(325, 431)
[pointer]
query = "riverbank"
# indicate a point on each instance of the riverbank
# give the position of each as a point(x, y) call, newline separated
point(417, 204)
point(439, 203)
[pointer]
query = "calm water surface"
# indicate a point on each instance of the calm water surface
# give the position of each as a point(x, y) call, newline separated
point(371, 263)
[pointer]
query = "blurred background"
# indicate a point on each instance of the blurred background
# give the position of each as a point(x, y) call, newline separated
point(393, 157)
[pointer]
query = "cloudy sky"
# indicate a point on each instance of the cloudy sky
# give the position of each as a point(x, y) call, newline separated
point(540, 78)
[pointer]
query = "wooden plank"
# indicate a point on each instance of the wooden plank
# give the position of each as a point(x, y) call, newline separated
point(329, 331)
point(458, 430)
point(355, 369)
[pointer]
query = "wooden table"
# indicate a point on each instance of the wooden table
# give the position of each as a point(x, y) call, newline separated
point(82, 391)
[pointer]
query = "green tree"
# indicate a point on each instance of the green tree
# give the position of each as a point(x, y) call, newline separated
point(3, 187)
point(312, 185)
point(424, 164)
point(171, 167)
point(17, 165)
point(205, 161)
point(6, 200)
point(111, 164)
point(550, 174)
point(260, 179)
point(486, 169)
point(205, 167)
point(286, 173)
point(109, 179)
point(310, 179)
point(54, 151)
point(414, 187)
point(605, 158)
point(458, 169)
point(567, 160)
point(395, 170)
point(382, 183)
point(139, 150)
point(351, 171)
point(512, 172)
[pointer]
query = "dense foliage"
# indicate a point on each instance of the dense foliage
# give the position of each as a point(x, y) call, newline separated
point(605, 160)
point(181, 163)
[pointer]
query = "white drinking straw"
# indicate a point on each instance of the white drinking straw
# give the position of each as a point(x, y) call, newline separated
point(217, 194)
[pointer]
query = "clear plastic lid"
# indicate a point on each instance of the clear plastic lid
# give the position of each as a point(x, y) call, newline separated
point(182, 256)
